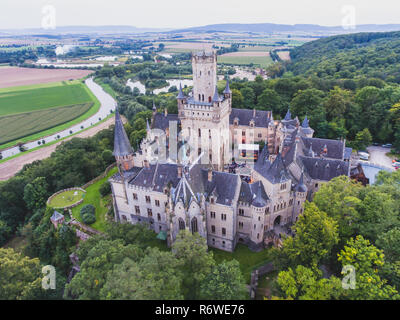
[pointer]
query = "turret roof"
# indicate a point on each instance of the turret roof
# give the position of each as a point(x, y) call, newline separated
point(122, 146)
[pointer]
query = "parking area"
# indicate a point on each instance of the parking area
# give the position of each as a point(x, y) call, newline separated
point(378, 156)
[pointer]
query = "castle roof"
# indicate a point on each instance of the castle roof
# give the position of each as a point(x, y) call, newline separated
point(301, 187)
point(180, 95)
point(122, 146)
point(305, 123)
point(56, 216)
point(216, 97)
point(161, 121)
point(324, 169)
point(288, 115)
point(261, 118)
point(227, 89)
point(253, 194)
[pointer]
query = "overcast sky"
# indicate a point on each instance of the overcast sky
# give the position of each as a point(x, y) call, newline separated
point(186, 13)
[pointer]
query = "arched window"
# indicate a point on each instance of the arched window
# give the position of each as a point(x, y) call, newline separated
point(199, 133)
point(181, 224)
point(194, 225)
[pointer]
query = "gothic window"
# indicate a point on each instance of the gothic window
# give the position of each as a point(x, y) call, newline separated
point(223, 231)
point(135, 196)
point(157, 203)
point(202, 97)
point(223, 217)
point(148, 199)
point(199, 97)
point(209, 99)
point(223, 244)
point(149, 212)
point(194, 225)
point(181, 224)
point(241, 212)
point(158, 217)
point(212, 229)
point(199, 133)
point(199, 151)
point(212, 215)
point(240, 225)
point(137, 209)
point(260, 135)
point(124, 218)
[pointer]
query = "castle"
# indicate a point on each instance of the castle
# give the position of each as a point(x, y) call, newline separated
point(189, 182)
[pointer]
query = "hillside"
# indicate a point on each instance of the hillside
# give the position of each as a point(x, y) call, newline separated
point(350, 56)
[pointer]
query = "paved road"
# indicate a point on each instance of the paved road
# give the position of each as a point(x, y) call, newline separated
point(379, 157)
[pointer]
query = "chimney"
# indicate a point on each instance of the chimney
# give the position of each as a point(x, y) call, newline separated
point(179, 172)
point(254, 113)
point(210, 174)
point(165, 112)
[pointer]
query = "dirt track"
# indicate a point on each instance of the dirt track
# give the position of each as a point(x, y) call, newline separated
point(9, 168)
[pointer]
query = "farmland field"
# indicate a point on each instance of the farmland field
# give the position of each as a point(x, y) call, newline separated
point(245, 58)
point(13, 76)
point(32, 98)
point(31, 112)
point(16, 126)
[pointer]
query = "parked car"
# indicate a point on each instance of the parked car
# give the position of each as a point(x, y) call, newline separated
point(388, 145)
point(363, 156)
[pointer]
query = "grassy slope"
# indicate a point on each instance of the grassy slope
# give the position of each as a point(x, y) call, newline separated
point(92, 111)
point(94, 198)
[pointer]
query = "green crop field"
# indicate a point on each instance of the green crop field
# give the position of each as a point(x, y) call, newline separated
point(17, 126)
point(246, 60)
point(32, 112)
point(32, 98)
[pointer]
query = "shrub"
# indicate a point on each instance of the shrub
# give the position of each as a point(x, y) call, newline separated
point(105, 189)
point(88, 214)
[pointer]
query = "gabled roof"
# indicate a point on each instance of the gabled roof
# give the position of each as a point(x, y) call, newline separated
point(305, 123)
point(261, 119)
point(335, 148)
point(301, 187)
point(160, 121)
point(253, 194)
point(56, 216)
point(324, 169)
point(122, 146)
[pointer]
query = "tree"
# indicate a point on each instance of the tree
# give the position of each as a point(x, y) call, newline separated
point(35, 193)
point(367, 261)
point(100, 259)
point(237, 99)
point(107, 156)
point(105, 189)
point(155, 277)
point(270, 100)
point(306, 284)
point(196, 262)
point(363, 139)
point(224, 282)
point(315, 236)
point(88, 214)
point(19, 275)
point(138, 234)
point(248, 97)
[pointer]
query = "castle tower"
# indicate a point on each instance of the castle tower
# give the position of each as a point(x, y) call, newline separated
point(123, 151)
point(204, 116)
point(204, 67)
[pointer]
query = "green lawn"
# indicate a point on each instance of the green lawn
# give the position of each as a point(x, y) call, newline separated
point(246, 60)
point(66, 199)
point(94, 198)
point(248, 259)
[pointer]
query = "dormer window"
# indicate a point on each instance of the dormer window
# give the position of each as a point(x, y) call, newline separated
point(252, 123)
point(236, 122)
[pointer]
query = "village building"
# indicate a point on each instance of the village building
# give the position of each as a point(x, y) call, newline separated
point(225, 207)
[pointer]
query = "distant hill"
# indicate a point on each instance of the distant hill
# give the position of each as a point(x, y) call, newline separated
point(348, 56)
point(285, 28)
point(83, 30)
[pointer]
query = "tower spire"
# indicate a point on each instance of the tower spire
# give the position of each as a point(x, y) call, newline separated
point(288, 115)
point(123, 151)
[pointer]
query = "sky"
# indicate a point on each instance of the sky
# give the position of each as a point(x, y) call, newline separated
point(16, 14)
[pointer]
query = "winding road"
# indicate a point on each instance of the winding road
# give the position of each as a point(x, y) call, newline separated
point(107, 104)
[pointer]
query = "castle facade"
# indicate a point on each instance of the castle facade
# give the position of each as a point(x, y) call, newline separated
point(188, 182)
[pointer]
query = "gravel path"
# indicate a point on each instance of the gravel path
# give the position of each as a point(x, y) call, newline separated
point(378, 156)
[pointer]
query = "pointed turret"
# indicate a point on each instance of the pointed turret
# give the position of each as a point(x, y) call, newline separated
point(216, 95)
point(180, 94)
point(301, 187)
point(305, 123)
point(227, 89)
point(123, 151)
point(122, 146)
point(288, 115)
point(258, 200)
